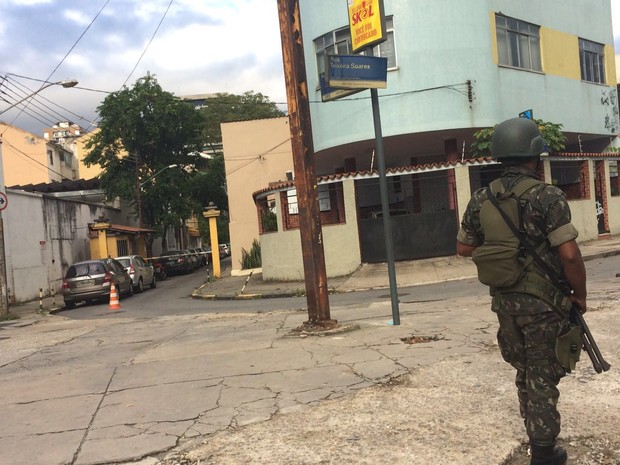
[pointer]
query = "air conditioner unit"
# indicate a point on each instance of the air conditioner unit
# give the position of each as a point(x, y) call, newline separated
point(289, 176)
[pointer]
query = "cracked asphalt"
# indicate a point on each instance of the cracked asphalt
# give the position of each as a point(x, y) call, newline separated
point(237, 388)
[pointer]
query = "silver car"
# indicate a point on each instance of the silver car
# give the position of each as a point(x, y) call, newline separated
point(92, 280)
point(140, 272)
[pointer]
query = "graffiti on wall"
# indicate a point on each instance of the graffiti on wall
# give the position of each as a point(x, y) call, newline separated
point(609, 99)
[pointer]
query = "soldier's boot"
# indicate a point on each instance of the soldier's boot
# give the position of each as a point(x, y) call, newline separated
point(548, 455)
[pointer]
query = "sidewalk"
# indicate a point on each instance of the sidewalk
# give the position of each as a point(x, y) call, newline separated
point(371, 276)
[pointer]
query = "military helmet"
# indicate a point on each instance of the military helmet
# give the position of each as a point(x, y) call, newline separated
point(517, 138)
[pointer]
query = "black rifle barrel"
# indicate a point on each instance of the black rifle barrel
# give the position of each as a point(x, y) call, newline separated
point(589, 344)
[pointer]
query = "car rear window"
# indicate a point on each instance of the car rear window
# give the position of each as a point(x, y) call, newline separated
point(85, 269)
point(123, 261)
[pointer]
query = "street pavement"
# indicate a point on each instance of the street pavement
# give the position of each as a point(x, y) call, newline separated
point(255, 388)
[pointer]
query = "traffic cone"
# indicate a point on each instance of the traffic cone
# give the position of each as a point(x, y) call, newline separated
point(114, 302)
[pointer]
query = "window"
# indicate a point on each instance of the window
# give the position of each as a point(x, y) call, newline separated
point(518, 43)
point(571, 177)
point(291, 200)
point(613, 179)
point(324, 198)
point(592, 59)
point(50, 156)
point(122, 247)
point(338, 42)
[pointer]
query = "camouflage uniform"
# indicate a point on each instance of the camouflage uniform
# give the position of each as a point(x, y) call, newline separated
point(528, 324)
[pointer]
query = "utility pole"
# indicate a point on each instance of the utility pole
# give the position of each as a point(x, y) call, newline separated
point(303, 161)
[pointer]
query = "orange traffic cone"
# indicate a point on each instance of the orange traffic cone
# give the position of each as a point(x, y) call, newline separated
point(114, 302)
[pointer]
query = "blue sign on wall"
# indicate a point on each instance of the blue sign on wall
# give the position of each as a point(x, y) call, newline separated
point(356, 72)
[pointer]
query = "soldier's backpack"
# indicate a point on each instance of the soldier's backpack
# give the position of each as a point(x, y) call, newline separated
point(501, 260)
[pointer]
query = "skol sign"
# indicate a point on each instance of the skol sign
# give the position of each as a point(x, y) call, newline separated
point(366, 23)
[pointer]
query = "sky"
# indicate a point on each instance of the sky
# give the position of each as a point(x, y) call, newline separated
point(191, 46)
point(201, 46)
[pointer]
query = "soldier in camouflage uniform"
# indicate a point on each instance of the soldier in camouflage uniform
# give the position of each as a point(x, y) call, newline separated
point(532, 312)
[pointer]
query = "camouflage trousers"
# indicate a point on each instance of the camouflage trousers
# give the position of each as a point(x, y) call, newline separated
point(527, 342)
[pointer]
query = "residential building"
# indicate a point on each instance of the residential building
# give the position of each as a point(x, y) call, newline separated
point(447, 79)
point(30, 159)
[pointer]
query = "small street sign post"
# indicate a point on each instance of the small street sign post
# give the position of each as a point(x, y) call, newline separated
point(358, 72)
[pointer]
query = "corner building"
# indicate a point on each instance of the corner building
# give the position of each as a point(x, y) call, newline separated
point(454, 67)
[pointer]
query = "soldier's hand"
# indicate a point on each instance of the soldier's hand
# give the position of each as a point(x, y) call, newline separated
point(580, 303)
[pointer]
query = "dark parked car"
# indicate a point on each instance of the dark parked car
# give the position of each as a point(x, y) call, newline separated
point(92, 280)
point(140, 272)
point(201, 255)
point(193, 258)
point(176, 262)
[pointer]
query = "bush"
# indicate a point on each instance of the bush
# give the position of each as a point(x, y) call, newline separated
point(270, 221)
point(251, 259)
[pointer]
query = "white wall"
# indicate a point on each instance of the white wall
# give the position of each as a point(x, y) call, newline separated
point(43, 235)
point(281, 251)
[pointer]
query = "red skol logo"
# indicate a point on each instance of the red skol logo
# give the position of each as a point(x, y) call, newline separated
point(364, 12)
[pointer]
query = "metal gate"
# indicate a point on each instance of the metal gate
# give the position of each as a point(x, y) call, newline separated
point(422, 213)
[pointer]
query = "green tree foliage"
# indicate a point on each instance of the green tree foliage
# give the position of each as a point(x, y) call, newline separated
point(142, 131)
point(225, 108)
point(551, 132)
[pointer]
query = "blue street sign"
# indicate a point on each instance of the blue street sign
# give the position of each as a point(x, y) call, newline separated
point(356, 71)
point(527, 114)
point(331, 93)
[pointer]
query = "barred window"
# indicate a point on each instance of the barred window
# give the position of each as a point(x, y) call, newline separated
point(291, 200)
point(592, 60)
point(338, 42)
point(518, 43)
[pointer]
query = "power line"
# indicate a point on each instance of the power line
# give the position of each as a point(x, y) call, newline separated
point(20, 152)
point(149, 43)
point(65, 57)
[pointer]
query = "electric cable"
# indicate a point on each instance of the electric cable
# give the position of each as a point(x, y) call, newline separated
point(64, 58)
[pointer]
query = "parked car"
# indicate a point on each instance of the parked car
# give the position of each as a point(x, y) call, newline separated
point(161, 273)
point(176, 262)
point(140, 272)
point(193, 259)
point(91, 280)
point(225, 249)
point(201, 255)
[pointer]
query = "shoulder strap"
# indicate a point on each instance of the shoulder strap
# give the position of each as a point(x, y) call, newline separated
point(519, 188)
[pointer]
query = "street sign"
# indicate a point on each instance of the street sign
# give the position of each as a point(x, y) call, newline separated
point(331, 93)
point(356, 71)
point(527, 114)
point(4, 202)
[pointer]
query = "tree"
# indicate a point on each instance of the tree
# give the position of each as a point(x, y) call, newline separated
point(142, 131)
point(225, 108)
point(551, 132)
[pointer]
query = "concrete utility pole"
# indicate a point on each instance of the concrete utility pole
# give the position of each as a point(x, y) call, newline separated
point(305, 175)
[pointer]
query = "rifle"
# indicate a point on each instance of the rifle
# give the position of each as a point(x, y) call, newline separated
point(588, 342)
point(575, 315)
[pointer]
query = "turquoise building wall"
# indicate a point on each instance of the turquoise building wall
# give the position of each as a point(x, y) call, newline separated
point(441, 44)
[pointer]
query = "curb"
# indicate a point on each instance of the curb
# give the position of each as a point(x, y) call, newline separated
point(197, 295)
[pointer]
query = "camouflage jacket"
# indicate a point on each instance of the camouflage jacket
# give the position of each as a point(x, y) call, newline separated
point(545, 216)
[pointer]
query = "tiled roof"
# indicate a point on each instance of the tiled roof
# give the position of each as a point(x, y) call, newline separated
point(362, 174)
point(401, 170)
point(125, 229)
point(62, 186)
